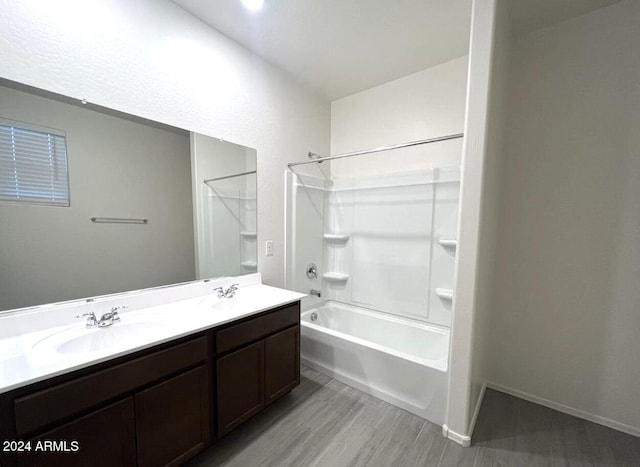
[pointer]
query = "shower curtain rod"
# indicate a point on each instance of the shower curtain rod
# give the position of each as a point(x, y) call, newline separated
point(384, 148)
point(229, 176)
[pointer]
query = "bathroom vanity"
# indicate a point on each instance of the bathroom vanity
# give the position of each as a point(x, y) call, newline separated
point(159, 401)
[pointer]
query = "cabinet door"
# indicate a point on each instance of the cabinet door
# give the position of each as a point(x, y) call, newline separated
point(282, 363)
point(173, 419)
point(104, 438)
point(240, 386)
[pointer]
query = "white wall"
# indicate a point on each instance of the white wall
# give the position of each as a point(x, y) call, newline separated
point(566, 322)
point(150, 58)
point(489, 217)
point(423, 105)
point(478, 217)
point(117, 168)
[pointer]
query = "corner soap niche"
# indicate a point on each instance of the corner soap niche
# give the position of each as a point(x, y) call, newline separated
point(445, 294)
point(336, 238)
point(448, 242)
point(335, 277)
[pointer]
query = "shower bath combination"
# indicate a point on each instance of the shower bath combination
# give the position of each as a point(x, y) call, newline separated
point(376, 254)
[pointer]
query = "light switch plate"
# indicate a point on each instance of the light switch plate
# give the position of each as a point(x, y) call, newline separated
point(268, 248)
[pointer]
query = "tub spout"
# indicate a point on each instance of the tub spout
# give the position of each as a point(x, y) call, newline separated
point(315, 292)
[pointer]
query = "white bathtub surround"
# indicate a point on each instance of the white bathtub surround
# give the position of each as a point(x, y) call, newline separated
point(401, 361)
point(377, 240)
point(381, 324)
point(32, 339)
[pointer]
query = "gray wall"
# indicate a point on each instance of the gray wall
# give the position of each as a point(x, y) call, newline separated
point(117, 168)
point(565, 323)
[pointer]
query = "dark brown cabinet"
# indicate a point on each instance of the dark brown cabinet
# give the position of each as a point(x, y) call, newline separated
point(151, 409)
point(282, 363)
point(258, 362)
point(172, 419)
point(158, 406)
point(240, 386)
point(104, 438)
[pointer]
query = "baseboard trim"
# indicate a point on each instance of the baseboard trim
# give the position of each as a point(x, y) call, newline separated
point(462, 440)
point(631, 430)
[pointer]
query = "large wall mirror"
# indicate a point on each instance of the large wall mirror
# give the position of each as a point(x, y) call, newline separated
point(149, 204)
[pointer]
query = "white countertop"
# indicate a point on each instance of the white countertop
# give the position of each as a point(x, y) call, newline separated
point(31, 353)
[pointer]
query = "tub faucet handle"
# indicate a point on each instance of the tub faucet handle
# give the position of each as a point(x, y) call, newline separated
point(312, 271)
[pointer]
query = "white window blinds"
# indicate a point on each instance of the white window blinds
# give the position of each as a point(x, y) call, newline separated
point(33, 164)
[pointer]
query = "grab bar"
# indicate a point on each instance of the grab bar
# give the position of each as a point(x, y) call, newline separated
point(119, 220)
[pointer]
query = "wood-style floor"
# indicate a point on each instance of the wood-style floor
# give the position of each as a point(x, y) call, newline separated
point(326, 423)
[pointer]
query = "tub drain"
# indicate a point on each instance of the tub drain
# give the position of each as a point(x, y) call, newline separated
point(314, 316)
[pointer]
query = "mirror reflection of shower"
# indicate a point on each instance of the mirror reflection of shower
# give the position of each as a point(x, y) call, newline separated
point(225, 207)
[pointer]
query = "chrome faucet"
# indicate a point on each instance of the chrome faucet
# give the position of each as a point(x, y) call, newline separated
point(106, 320)
point(92, 322)
point(229, 293)
point(315, 292)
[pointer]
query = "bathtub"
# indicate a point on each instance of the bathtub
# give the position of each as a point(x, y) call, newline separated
point(399, 361)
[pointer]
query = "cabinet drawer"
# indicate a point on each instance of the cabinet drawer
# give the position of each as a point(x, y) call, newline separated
point(65, 400)
point(257, 328)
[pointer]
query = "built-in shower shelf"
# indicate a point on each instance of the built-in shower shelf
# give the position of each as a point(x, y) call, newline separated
point(445, 294)
point(448, 242)
point(249, 264)
point(335, 276)
point(336, 238)
point(248, 234)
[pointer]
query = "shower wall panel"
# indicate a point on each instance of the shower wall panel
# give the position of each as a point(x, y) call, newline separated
point(385, 246)
point(392, 249)
point(305, 220)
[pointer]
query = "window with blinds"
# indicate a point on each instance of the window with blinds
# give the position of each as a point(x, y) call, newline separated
point(33, 164)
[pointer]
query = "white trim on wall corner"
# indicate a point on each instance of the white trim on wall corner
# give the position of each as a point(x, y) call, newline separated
point(632, 430)
point(463, 440)
point(476, 412)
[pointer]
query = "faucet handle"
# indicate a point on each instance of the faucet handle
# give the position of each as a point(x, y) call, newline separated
point(91, 319)
point(113, 314)
point(90, 315)
point(234, 287)
point(220, 291)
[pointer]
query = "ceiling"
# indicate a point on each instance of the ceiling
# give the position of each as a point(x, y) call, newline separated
point(341, 47)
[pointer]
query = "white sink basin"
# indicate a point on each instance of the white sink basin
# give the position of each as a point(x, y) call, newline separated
point(239, 303)
point(245, 300)
point(215, 303)
point(128, 332)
